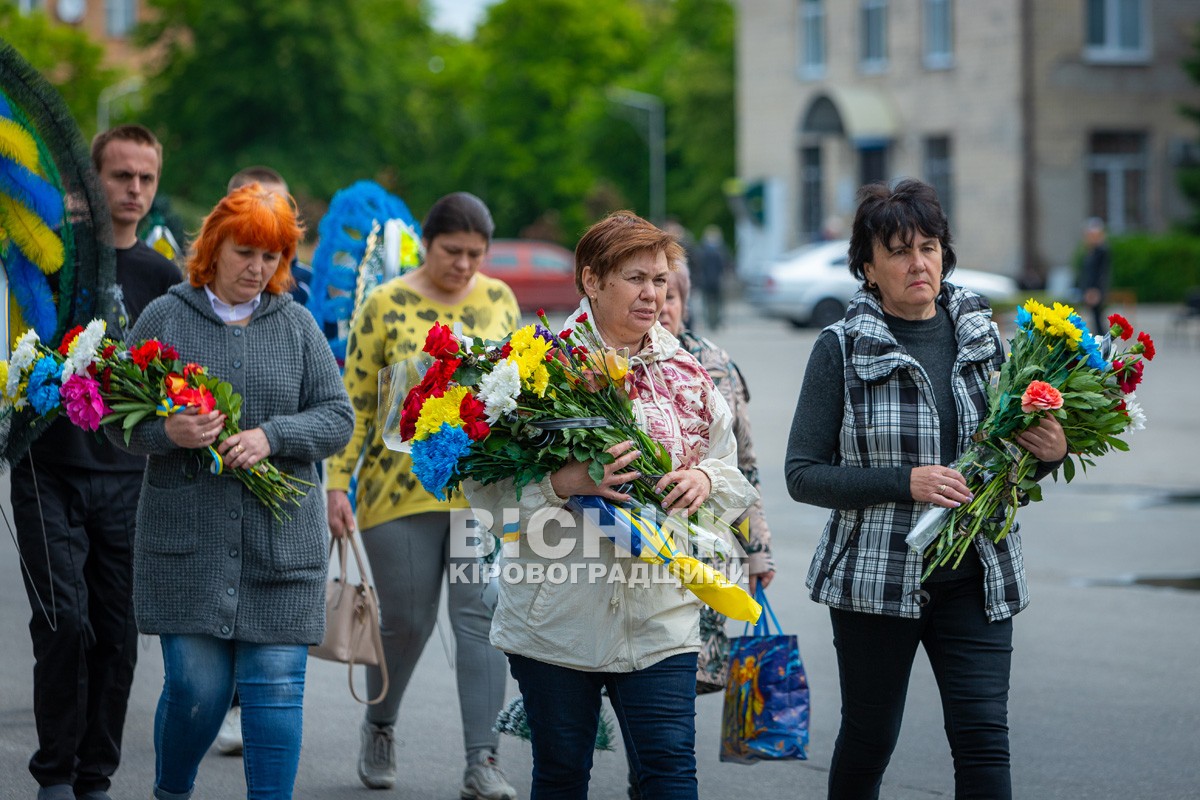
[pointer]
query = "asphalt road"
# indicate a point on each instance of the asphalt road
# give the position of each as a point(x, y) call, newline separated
point(1104, 701)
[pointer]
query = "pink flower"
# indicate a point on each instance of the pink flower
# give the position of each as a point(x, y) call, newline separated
point(1040, 396)
point(81, 399)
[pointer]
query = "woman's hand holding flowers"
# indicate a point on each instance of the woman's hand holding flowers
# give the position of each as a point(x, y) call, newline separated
point(192, 430)
point(1045, 439)
point(245, 449)
point(574, 479)
point(939, 485)
point(691, 488)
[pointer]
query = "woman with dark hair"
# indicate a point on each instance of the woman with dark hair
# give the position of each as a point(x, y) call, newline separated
point(235, 596)
point(891, 396)
point(636, 637)
point(406, 530)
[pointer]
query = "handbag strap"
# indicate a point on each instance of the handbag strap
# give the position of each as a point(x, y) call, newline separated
point(763, 627)
point(370, 603)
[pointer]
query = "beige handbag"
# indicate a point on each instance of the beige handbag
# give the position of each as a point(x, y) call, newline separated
point(352, 620)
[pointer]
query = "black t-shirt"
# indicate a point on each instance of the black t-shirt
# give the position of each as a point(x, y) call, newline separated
point(143, 275)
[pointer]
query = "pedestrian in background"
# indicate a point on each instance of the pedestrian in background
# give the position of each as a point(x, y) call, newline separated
point(74, 500)
point(406, 530)
point(711, 263)
point(1095, 272)
point(891, 396)
point(235, 595)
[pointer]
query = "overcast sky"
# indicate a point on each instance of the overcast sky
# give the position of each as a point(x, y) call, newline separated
point(458, 16)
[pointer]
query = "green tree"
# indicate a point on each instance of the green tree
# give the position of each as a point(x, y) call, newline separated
point(306, 86)
point(546, 65)
point(70, 60)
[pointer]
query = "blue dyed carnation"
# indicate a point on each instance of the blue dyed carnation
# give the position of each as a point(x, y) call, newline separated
point(1024, 321)
point(435, 458)
point(44, 381)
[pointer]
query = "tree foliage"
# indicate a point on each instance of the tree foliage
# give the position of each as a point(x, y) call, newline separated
point(67, 57)
point(520, 114)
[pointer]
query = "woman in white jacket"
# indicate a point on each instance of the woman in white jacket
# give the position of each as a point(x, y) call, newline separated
point(575, 615)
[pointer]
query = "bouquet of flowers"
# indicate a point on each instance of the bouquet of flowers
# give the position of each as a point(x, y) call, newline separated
point(1056, 366)
point(524, 407)
point(95, 381)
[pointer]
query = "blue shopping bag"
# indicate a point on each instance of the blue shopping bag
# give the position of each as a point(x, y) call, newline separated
point(766, 697)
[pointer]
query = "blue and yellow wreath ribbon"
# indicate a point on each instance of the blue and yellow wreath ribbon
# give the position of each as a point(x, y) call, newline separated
point(643, 537)
point(166, 408)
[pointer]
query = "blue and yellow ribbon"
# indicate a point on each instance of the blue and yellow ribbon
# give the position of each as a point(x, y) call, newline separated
point(166, 407)
point(642, 536)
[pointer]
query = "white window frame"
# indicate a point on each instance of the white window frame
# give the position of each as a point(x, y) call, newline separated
point(869, 10)
point(937, 17)
point(1111, 50)
point(1116, 167)
point(810, 31)
point(120, 18)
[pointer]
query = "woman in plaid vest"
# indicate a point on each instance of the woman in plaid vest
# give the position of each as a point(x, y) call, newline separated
point(891, 396)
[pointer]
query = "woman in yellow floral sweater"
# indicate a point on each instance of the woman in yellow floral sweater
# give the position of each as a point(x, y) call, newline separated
point(405, 530)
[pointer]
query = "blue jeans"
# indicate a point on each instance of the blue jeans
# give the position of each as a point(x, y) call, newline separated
point(201, 674)
point(971, 660)
point(655, 707)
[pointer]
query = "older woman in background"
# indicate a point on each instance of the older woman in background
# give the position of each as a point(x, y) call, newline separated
point(406, 530)
point(235, 595)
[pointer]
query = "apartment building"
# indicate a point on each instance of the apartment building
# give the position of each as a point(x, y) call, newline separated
point(1028, 116)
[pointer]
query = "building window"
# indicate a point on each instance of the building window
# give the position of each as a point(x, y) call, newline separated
point(812, 39)
point(939, 172)
point(120, 17)
point(1117, 171)
point(810, 193)
point(939, 34)
point(26, 6)
point(872, 163)
point(873, 40)
point(1117, 31)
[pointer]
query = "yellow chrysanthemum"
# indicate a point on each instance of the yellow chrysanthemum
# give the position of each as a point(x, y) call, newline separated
point(529, 354)
point(3, 377)
point(437, 410)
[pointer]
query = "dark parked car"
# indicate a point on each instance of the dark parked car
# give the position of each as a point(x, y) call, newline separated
point(541, 274)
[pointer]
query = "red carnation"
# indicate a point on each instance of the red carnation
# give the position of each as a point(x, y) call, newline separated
point(470, 409)
point(170, 353)
point(541, 313)
point(582, 317)
point(1129, 375)
point(1119, 326)
point(192, 369)
point(477, 430)
point(441, 342)
point(506, 350)
point(147, 352)
point(68, 338)
point(565, 333)
point(108, 351)
point(1147, 345)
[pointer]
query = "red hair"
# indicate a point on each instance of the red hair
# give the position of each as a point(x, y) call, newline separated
point(251, 217)
point(618, 237)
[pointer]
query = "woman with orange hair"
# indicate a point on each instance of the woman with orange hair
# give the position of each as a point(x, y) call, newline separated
point(234, 595)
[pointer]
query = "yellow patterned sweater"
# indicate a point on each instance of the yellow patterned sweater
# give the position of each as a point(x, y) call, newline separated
point(390, 327)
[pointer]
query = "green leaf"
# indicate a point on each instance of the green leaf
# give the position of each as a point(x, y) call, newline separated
point(1068, 467)
point(596, 471)
point(134, 418)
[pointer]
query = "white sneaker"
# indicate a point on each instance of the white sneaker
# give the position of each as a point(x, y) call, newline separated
point(229, 738)
point(377, 756)
point(483, 780)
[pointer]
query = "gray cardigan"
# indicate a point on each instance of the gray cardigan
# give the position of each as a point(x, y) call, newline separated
point(209, 558)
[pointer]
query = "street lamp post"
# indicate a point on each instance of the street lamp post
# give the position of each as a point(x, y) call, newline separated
point(655, 132)
point(110, 93)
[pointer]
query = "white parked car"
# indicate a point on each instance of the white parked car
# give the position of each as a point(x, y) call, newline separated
point(812, 285)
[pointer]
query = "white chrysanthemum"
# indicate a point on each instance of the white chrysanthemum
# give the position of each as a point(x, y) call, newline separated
point(499, 390)
point(84, 349)
point(22, 359)
point(1137, 417)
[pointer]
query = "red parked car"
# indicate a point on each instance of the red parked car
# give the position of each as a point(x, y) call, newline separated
point(541, 274)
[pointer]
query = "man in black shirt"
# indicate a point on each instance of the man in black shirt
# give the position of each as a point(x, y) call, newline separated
point(74, 500)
